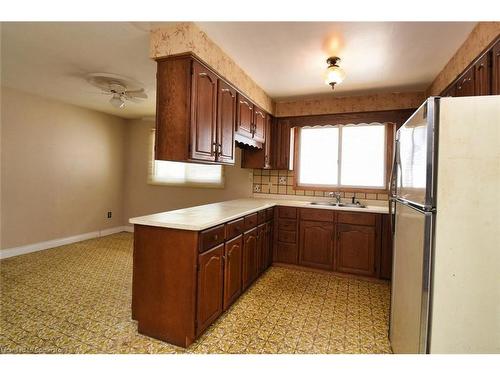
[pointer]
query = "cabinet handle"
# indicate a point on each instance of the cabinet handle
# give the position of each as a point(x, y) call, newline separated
point(224, 90)
point(214, 148)
point(202, 74)
point(244, 102)
point(220, 149)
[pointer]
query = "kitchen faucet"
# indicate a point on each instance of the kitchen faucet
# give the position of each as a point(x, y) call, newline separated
point(336, 195)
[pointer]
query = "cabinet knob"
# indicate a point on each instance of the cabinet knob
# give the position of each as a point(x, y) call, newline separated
point(216, 237)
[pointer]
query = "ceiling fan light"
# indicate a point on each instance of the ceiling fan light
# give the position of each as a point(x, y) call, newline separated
point(117, 101)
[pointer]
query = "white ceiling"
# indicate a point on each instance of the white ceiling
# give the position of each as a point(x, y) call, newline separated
point(287, 59)
point(51, 59)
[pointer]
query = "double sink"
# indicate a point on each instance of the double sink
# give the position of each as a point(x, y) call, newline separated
point(335, 204)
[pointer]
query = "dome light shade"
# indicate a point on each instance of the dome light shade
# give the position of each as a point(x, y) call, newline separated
point(334, 74)
point(117, 101)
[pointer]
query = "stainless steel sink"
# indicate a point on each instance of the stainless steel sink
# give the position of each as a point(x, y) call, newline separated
point(334, 204)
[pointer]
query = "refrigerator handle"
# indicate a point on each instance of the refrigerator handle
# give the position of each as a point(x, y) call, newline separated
point(392, 215)
point(392, 181)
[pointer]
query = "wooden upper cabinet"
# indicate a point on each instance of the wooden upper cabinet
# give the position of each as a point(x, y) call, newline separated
point(260, 158)
point(210, 286)
point(203, 114)
point(356, 249)
point(259, 130)
point(316, 244)
point(281, 144)
point(226, 120)
point(495, 70)
point(244, 116)
point(232, 270)
point(482, 76)
point(450, 91)
point(465, 84)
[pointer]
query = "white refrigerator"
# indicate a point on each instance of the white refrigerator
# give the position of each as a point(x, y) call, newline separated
point(445, 210)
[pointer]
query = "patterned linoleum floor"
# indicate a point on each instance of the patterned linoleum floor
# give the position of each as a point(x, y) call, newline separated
point(76, 299)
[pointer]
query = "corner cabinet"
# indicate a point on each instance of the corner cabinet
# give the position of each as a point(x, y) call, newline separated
point(195, 113)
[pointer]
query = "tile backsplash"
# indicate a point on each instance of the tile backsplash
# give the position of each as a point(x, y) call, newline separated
point(274, 181)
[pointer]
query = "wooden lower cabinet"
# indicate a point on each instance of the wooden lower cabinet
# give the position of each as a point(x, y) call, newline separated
point(356, 249)
point(250, 257)
point(210, 287)
point(233, 256)
point(286, 253)
point(316, 244)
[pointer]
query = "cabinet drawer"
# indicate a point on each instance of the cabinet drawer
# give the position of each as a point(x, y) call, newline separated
point(287, 236)
point(251, 221)
point(316, 214)
point(269, 213)
point(356, 218)
point(235, 227)
point(261, 216)
point(287, 212)
point(287, 224)
point(211, 237)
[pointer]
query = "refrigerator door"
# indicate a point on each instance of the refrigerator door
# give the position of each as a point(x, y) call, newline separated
point(415, 157)
point(410, 279)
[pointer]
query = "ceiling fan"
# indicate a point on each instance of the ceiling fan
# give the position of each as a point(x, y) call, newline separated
point(119, 87)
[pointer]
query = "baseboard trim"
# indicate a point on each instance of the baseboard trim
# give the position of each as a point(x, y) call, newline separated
point(45, 245)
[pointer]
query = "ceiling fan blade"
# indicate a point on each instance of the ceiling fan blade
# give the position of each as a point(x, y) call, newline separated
point(132, 99)
point(137, 94)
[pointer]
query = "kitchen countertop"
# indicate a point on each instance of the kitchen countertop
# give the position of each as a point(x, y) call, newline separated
point(202, 217)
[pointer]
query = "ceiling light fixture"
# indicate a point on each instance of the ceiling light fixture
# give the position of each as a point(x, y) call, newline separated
point(117, 101)
point(334, 74)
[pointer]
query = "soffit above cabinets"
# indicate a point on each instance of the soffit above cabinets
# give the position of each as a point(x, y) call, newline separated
point(288, 59)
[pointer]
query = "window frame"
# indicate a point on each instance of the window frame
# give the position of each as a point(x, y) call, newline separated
point(151, 171)
point(390, 130)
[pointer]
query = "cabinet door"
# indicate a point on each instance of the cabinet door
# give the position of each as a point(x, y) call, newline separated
point(263, 247)
point(286, 253)
point(259, 125)
point(465, 84)
point(267, 145)
point(244, 117)
point(203, 113)
point(226, 120)
point(270, 242)
point(495, 71)
point(316, 244)
point(482, 77)
point(232, 270)
point(356, 249)
point(450, 91)
point(210, 285)
point(249, 257)
point(281, 144)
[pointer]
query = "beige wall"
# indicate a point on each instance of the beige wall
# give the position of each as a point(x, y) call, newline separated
point(482, 35)
point(62, 169)
point(142, 198)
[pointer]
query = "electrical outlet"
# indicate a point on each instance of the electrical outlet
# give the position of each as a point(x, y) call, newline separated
point(282, 180)
point(256, 188)
point(110, 214)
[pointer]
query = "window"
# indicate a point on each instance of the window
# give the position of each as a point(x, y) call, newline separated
point(184, 174)
point(343, 157)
